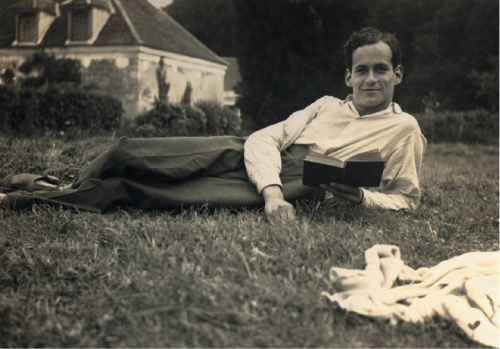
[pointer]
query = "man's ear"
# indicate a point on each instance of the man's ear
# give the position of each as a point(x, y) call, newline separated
point(398, 72)
point(348, 76)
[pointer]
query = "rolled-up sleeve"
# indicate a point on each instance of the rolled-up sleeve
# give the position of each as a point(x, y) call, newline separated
point(400, 187)
point(263, 148)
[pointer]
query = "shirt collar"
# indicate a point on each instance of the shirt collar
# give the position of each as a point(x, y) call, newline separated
point(392, 108)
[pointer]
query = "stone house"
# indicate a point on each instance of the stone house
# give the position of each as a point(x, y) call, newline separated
point(119, 44)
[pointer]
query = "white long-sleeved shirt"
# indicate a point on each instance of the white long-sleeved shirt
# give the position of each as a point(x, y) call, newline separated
point(334, 127)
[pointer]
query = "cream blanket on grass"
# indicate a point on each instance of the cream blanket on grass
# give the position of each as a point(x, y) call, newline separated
point(463, 289)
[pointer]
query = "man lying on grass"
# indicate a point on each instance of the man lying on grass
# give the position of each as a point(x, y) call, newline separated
point(265, 169)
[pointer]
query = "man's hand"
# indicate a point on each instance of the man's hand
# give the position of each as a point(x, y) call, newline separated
point(344, 194)
point(277, 209)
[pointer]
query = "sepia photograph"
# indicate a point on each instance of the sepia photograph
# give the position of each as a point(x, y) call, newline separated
point(249, 173)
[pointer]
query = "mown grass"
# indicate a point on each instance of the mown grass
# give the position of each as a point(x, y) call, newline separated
point(132, 278)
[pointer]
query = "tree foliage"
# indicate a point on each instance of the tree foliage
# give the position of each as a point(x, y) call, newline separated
point(290, 51)
point(49, 70)
point(487, 81)
point(290, 54)
point(451, 41)
point(213, 22)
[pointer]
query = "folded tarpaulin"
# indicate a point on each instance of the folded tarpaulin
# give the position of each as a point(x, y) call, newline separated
point(463, 289)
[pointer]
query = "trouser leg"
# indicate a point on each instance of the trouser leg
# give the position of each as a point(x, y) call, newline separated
point(169, 159)
point(217, 178)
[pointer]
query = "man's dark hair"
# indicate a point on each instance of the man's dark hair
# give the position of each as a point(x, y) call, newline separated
point(370, 36)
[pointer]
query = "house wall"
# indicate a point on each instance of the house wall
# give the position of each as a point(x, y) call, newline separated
point(129, 73)
point(113, 76)
point(207, 82)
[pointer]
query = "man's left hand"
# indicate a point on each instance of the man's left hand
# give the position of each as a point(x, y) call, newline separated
point(344, 194)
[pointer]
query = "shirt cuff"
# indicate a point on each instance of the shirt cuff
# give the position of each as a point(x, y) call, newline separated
point(265, 179)
point(360, 202)
point(387, 201)
point(366, 194)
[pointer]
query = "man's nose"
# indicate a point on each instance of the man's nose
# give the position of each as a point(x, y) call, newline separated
point(371, 79)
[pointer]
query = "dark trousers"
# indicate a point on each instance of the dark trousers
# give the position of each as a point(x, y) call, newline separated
point(170, 173)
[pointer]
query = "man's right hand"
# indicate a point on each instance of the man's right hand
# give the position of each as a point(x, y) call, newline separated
point(277, 209)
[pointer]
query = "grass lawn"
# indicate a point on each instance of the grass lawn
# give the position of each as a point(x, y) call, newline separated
point(132, 278)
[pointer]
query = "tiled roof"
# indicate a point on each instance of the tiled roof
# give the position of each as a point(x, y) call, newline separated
point(46, 5)
point(135, 22)
point(157, 29)
point(99, 3)
point(7, 20)
point(232, 77)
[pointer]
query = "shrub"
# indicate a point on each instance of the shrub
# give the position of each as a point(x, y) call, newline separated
point(197, 121)
point(220, 120)
point(50, 70)
point(32, 112)
point(7, 104)
point(474, 126)
point(164, 120)
point(487, 82)
point(51, 101)
point(169, 120)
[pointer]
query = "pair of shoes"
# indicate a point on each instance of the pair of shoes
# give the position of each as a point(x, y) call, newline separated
point(29, 182)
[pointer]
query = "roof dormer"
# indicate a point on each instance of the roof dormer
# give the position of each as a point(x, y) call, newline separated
point(33, 19)
point(86, 18)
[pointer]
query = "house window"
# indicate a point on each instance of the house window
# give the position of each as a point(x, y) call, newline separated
point(28, 27)
point(80, 26)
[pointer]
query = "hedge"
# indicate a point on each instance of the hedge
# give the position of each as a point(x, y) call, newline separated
point(33, 112)
point(474, 126)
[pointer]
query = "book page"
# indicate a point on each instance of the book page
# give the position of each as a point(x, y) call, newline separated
point(370, 155)
point(324, 159)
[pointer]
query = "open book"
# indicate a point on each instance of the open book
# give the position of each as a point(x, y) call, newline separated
point(361, 170)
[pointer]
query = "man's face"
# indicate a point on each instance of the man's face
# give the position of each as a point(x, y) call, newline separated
point(373, 77)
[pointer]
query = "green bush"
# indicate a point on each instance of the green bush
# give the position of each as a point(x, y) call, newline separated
point(33, 112)
point(171, 120)
point(474, 126)
point(7, 106)
point(487, 82)
point(197, 125)
point(164, 120)
point(50, 70)
point(220, 120)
